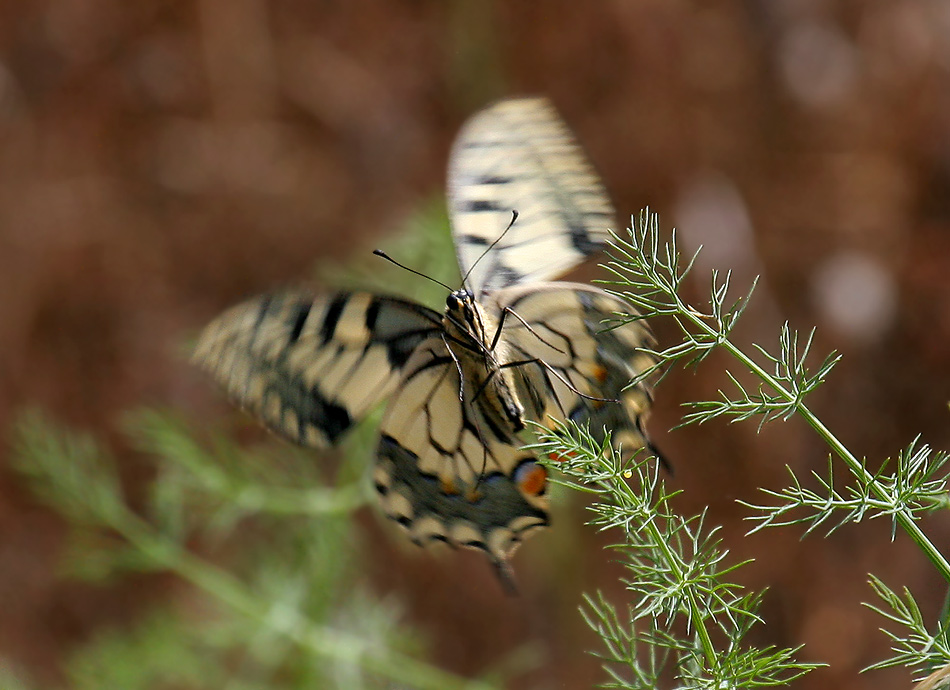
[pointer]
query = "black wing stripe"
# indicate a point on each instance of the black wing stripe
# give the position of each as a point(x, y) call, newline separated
point(332, 317)
point(303, 311)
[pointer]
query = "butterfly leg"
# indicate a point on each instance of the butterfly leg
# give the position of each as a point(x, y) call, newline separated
point(458, 367)
point(560, 377)
point(501, 323)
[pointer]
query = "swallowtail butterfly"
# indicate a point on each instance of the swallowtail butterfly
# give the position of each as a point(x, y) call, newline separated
point(509, 346)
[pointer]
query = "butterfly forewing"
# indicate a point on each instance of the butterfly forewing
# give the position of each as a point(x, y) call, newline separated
point(519, 156)
point(309, 367)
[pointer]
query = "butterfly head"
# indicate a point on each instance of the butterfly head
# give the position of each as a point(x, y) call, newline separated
point(459, 300)
point(463, 313)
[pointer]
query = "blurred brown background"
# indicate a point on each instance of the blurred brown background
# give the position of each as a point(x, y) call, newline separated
point(161, 160)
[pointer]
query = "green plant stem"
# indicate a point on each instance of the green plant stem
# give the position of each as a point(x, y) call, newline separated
point(857, 468)
point(320, 640)
point(697, 619)
point(906, 521)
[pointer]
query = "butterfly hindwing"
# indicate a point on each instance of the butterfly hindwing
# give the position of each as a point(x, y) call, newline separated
point(309, 367)
point(518, 155)
point(447, 470)
point(567, 327)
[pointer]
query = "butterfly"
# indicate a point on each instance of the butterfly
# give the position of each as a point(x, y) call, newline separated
point(509, 347)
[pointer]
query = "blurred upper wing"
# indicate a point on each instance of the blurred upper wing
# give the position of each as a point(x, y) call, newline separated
point(518, 155)
point(309, 367)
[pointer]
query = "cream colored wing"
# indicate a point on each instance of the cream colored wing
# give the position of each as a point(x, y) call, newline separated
point(563, 325)
point(447, 471)
point(518, 155)
point(310, 367)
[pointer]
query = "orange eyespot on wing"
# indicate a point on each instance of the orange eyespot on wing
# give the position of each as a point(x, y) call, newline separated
point(531, 478)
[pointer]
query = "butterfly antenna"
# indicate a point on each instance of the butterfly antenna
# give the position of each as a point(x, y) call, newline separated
point(514, 217)
point(380, 252)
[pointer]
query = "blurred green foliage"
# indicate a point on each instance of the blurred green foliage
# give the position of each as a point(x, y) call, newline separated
point(263, 534)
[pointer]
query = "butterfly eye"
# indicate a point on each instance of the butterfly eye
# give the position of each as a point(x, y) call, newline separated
point(452, 302)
